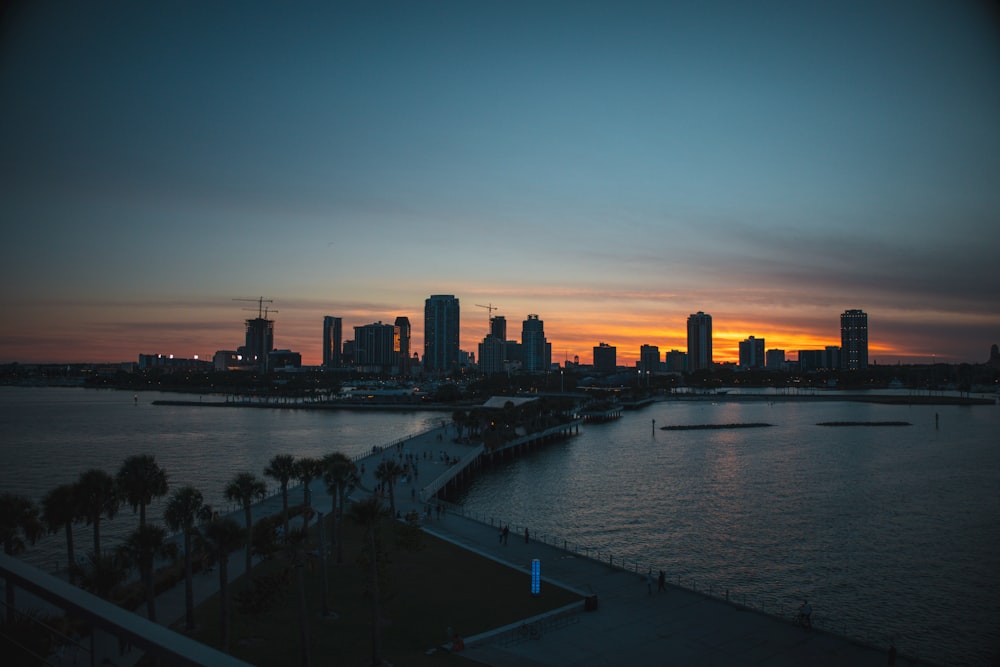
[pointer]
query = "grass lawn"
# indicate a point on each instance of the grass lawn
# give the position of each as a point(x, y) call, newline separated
point(424, 592)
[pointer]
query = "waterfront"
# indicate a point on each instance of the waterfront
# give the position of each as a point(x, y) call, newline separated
point(888, 531)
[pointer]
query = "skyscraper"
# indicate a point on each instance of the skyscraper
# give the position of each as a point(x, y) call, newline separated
point(854, 339)
point(649, 358)
point(259, 341)
point(535, 351)
point(333, 342)
point(752, 353)
point(403, 344)
point(699, 352)
point(605, 358)
point(375, 347)
point(441, 333)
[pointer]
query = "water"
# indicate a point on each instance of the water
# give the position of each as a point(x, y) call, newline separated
point(891, 531)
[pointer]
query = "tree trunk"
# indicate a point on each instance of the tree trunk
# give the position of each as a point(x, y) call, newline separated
point(373, 573)
point(188, 582)
point(284, 509)
point(246, 509)
point(224, 602)
point(150, 592)
point(69, 551)
point(325, 595)
point(303, 618)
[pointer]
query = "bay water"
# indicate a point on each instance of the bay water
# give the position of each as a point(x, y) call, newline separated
point(892, 532)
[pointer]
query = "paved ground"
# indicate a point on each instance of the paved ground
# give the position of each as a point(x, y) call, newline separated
point(629, 627)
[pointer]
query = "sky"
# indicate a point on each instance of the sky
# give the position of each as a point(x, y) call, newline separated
point(609, 166)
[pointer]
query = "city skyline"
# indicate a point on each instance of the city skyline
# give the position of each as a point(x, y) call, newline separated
point(613, 168)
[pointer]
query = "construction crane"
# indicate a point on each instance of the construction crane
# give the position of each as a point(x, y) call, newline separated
point(489, 313)
point(260, 301)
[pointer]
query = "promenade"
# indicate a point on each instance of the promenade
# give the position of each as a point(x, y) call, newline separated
point(630, 624)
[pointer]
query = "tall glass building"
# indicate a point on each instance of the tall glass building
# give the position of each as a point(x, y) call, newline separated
point(441, 331)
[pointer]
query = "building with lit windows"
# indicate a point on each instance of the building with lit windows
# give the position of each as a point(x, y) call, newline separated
point(854, 339)
point(375, 348)
point(402, 345)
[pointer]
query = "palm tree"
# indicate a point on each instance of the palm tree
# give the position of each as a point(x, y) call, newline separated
point(219, 539)
point(387, 472)
point(142, 548)
point(369, 514)
point(97, 497)
point(18, 518)
point(102, 573)
point(245, 488)
point(140, 479)
point(59, 510)
point(307, 469)
point(183, 508)
point(341, 474)
point(297, 552)
point(282, 469)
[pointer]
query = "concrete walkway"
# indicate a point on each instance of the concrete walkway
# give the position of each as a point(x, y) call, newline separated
point(629, 627)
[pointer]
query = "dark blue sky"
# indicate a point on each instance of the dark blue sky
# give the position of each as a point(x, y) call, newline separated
point(612, 167)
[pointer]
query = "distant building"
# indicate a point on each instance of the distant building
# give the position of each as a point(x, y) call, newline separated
point(649, 359)
point(536, 352)
point(752, 353)
point(278, 359)
point(375, 348)
point(699, 350)
point(854, 339)
point(441, 333)
point(169, 362)
point(605, 358)
point(333, 342)
point(498, 327)
point(827, 359)
point(259, 341)
point(774, 359)
point(675, 361)
point(402, 345)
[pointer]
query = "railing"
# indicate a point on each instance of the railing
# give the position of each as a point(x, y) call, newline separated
point(777, 605)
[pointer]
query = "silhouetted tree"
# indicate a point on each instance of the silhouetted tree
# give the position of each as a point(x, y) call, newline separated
point(245, 488)
point(141, 549)
point(219, 539)
point(140, 479)
point(184, 508)
point(387, 472)
point(98, 497)
point(282, 469)
point(60, 511)
point(306, 470)
point(341, 474)
point(369, 514)
point(18, 522)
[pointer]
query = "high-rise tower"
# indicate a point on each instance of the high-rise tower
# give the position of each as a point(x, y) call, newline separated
point(535, 351)
point(441, 332)
point(333, 342)
point(854, 339)
point(403, 344)
point(699, 342)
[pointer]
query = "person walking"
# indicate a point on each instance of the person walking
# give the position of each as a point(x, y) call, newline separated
point(649, 582)
point(661, 583)
point(505, 534)
point(525, 534)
